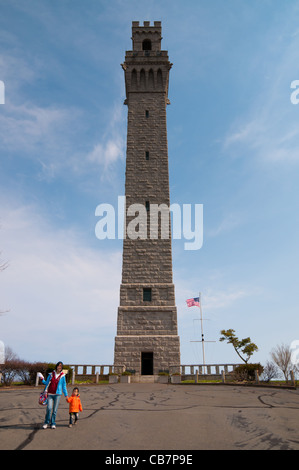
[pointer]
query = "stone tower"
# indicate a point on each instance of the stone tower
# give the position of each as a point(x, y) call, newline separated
point(147, 337)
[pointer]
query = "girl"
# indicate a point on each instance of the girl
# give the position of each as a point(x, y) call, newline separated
point(75, 406)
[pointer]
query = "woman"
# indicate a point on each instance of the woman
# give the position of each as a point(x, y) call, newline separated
point(55, 385)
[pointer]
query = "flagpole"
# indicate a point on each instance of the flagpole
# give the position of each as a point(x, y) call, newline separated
point(202, 336)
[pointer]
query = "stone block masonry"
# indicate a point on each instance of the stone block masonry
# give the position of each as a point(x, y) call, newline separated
point(147, 335)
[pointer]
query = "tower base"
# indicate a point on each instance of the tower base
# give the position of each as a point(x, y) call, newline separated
point(147, 355)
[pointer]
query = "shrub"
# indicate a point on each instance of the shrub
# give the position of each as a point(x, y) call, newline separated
point(9, 372)
point(49, 367)
point(16, 368)
point(10, 367)
point(23, 372)
point(247, 371)
point(35, 367)
point(270, 372)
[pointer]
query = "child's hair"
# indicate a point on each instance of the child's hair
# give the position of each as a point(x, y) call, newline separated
point(75, 388)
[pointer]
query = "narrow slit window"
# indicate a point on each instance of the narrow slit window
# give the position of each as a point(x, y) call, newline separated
point(147, 113)
point(147, 155)
point(147, 206)
point(147, 294)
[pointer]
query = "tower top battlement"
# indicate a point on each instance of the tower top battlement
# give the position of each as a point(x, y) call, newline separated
point(146, 24)
point(146, 37)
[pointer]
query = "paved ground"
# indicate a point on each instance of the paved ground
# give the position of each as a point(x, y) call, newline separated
point(156, 417)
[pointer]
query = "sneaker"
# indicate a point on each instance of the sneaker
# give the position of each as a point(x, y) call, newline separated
point(70, 425)
point(53, 426)
point(45, 426)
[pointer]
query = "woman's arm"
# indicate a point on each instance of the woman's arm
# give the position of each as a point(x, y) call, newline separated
point(64, 389)
point(46, 382)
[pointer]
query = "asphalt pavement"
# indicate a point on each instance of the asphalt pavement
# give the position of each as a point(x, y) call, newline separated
point(155, 417)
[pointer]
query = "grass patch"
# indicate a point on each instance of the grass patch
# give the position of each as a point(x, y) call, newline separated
point(200, 381)
point(88, 382)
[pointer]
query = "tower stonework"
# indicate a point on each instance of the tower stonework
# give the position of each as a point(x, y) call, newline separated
point(147, 338)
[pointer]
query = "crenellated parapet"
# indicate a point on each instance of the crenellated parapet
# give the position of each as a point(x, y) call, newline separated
point(146, 67)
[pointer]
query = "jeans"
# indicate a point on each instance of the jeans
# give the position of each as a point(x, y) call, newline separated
point(52, 406)
point(73, 417)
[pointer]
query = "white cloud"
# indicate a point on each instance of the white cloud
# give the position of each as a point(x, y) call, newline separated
point(269, 136)
point(106, 154)
point(223, 299)
point(268, 130)
point(212, 297)
point(15, 71)
point(62, 295)
point(47, 135)
point(53, 134)
point(36, 133)
point(111, 148)
point(23, 126)
point(241, 133)
point(230, 222)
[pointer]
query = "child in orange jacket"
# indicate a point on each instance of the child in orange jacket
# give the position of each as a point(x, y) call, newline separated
point(75, 406)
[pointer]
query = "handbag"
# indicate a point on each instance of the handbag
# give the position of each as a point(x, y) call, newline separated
point(43, 398)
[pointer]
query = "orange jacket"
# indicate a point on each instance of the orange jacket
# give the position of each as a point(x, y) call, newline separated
point(75, 404)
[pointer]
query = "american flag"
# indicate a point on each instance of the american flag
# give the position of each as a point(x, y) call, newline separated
point(193, 302)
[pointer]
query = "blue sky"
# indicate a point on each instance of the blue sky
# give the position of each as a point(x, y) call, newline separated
point(233, 140)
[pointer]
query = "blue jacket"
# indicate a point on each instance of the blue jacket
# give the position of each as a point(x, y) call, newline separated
point(61, 387)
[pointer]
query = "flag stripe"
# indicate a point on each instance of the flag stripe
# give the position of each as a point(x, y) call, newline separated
point(193, 302)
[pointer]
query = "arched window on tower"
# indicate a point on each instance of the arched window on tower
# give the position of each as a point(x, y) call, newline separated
point(147, 45)
point(134, 79)
point(159, 78)
point(142, 78)
point(151, 78)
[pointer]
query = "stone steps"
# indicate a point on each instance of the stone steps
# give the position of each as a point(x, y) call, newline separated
point(145, 379)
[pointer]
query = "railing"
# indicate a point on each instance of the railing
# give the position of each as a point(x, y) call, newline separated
point(93, 369)
point(96, 370)
point(194, 371)
point(207, 369)
point(90, 371)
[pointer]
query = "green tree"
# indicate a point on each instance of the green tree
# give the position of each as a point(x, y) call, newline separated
point(244, 346)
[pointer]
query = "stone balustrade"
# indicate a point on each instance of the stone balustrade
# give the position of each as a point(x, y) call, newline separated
point(94, 372)
point(87, 369)
point(207, 369)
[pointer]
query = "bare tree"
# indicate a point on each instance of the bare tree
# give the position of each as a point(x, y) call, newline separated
point(3, 264)
point(270, 371)
point(281, 355)
point(10, 367)
point(10, 355)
